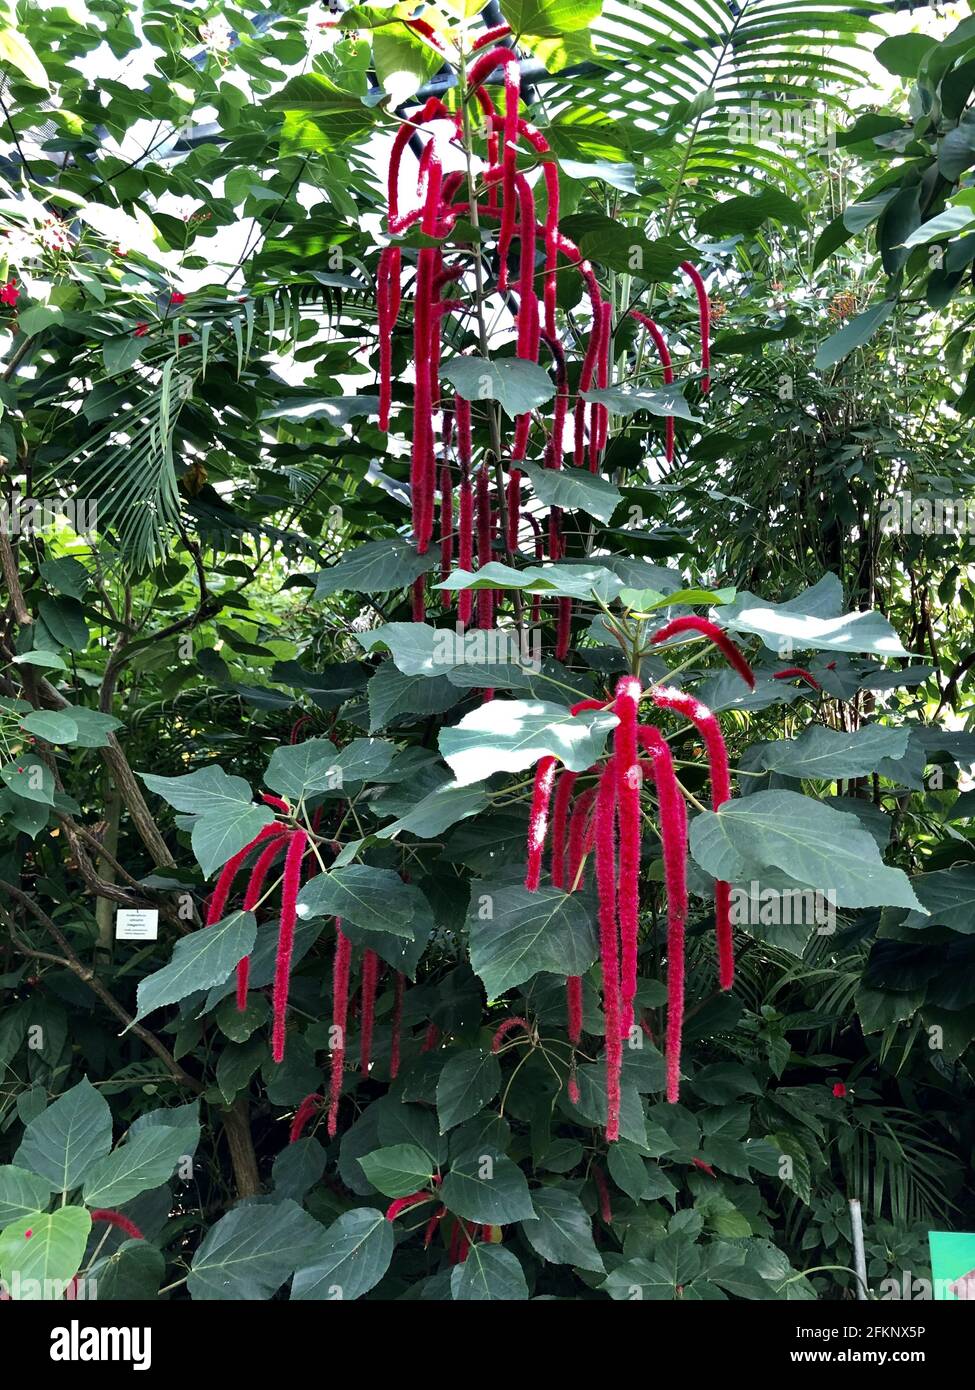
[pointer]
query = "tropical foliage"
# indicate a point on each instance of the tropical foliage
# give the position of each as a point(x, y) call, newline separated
point(219, 629)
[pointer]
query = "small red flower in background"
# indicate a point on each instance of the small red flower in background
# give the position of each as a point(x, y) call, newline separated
point(185, 339)
point(9, 293)
point(177, 298)
point(140, 330)
point(704, 1167)
point(839, 1090)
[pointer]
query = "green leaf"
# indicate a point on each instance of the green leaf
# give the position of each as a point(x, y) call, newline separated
point(413, 646)
point(490, 1272)
point(51, 1254)
point(745, 213)
point(17, 52)
point(51, 660)
point(21, 1192)
point(200, 960)
point(811, 621)
point(251, 1251)
point(511, 735)
point(562, 1231)
point(628, 1169)
point(564, 580)
point(319, 116)
point(487, 1188)
point(437, 811)
point(218, 837)
point(131, 1274)
point(551, 18)
point(374, 568)
point(515, 934)
point(93, 727)
point(119, 354)
point(147, 1160)
point(51, 726)
point(209, 789)
point(518, 386)
point(297, 770)
point(348, 1260)
point(946, 224)
point(29, 778)
point(67, 1139)
point(370, 898)
point(666, 400)
point(399, 1170)
point(854, 334)
point(468, 1081)
point(403, 62)
point(622, 247)
point(574, 489)
point(902, 54)
point(813, 844)
point(392, 695)
point(949, 896)
point(64, 619)
point(835, 753)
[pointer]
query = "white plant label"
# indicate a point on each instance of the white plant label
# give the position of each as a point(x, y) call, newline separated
point(136, 924)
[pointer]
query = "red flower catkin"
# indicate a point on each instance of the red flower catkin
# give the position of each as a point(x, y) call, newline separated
point(663, 352)
point(599, 417)
point(431, 1038)
point(218, 899)
point(370, 975)
point(608, 942)
point(560, 825)
point(252, 896)
point(485, 597)
point(394, 1047)
point(340, 1016)
point(508, 1026)
point(673, 836)
point(446, 521)
point(575, 1095)
point(628, 783)
point(605, 1208)
point(387, 306)
point(714, 634)
point(481, 70)
point(404, 1203)
point(499, 31)
point(538, 819)
point(582, 837)
point(708, 727)
point(286, 938)
point(797, 672)
point(115, 1218)
point(704, 318)
point(573, 1003)
point(303, 1114)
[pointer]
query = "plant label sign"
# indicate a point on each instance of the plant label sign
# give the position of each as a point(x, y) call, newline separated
point(136, 924)
point(953, 1265)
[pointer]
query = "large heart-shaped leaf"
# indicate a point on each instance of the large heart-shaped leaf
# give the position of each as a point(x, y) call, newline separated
point(67, 1139)
point(487, 1188)
point(514, 934)
point(490, 1272)
point(812, 843)
point(252, 1250)
point(398, 1170)
point(347, 1260)
point(562, 1230)
point(373, 899)
point(201, 960)
point(468, 1081)
point(510, 735)
point(40, 1253)
point(144, 1162)
point(518, 386)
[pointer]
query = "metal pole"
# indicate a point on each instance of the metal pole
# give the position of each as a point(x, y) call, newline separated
point(859, 1254)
